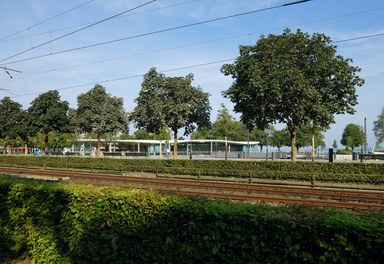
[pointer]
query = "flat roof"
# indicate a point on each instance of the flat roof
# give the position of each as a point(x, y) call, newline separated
point(153, 141)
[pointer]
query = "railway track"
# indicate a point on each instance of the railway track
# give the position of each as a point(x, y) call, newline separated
point(285, 194)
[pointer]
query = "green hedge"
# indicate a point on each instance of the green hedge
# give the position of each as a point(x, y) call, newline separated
point(67, 223)
point(370, 173)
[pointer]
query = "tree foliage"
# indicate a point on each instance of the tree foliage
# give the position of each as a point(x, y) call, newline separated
point(279, 138)
point(226, 126)
point(293, 78)
point(263, 136)
point(353, 136)
point(10, 118)
point(100, 113)
point(379, 127)
point(305, 135)
point(171, 102)
point(48, 113)
point(334, 144)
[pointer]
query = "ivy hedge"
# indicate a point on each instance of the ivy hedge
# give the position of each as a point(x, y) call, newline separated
point(68, 223)
point(356, 172)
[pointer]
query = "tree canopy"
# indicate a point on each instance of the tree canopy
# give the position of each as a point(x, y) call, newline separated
point(171, 102)
point(48, 113)
point(100, 113)
point(226, 126)
point(279, 138)
point(353, 136)
point(379, 127)
point(10, 118)
point(293, 78)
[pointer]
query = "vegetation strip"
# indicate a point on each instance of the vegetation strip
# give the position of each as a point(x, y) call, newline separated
point(52, 222)
point(329, 197)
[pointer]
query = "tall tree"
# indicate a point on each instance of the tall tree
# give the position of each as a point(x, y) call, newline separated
point(353, 136)
point(171, 102)
point(293, 78)
point(226, 126)
point(306, 136)
point(10, 118)
point(334, 145)
point(378, 127)
point(280, 138)
point(100, 113)
point(48, 113)
point(263, 136)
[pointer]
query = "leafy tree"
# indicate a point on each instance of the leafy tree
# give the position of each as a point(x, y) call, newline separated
point(100, 113)
point(334, 145)
point(10, 118)
point(11, 115)
point(142, 134)
point(171, 102)
point(226, 126)
point(203, 133)
point(263, 136)
point(48, 113)
point(379, 127)
point(279, 138)
point(163, 134)
point(293, 78)
point(305, 136)
point(353, 136)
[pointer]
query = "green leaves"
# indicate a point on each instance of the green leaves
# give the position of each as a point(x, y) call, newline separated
point(170, 102)
point(100, 113)
point(48, 113)
point(10, 118)
point(353, 136)
point(293, 78)
point(68, 223)
point(379, 127)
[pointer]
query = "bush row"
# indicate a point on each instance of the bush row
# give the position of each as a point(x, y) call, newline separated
point(67, 223)
point(370, 173)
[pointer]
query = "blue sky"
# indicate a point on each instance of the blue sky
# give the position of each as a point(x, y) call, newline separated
point(66, 65)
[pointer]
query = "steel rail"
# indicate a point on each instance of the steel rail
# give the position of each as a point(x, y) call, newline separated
point(365, 199)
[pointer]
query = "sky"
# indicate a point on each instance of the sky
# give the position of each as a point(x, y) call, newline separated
point(72, 45)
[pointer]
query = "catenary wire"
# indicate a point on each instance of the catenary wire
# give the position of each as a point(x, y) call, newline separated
point(84, 24)
point(155, 32)
point(46, 20)
point(176, 69)
point(197, 43)
point(78, 30)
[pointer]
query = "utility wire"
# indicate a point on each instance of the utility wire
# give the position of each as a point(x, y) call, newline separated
point(180, 68)
point(83, 28)
point(46, 20)
point(84, 24)
point(132, 76)
point(211, 41)
point(157, 31)
point(360, 37)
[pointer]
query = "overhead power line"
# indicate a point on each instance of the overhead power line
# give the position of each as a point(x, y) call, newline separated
point(205, 42)
point(46, 20)
point(154, 32)
point(173, 69)
point(360, 37)
point(88, 23)
point(131, 76)
point(78, 30)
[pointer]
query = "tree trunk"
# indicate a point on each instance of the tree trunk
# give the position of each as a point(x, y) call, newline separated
point(293, 133)
point(160, 154)
point(313, 148)
point(46, 141)
point(175, 144)
point(98, 146)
